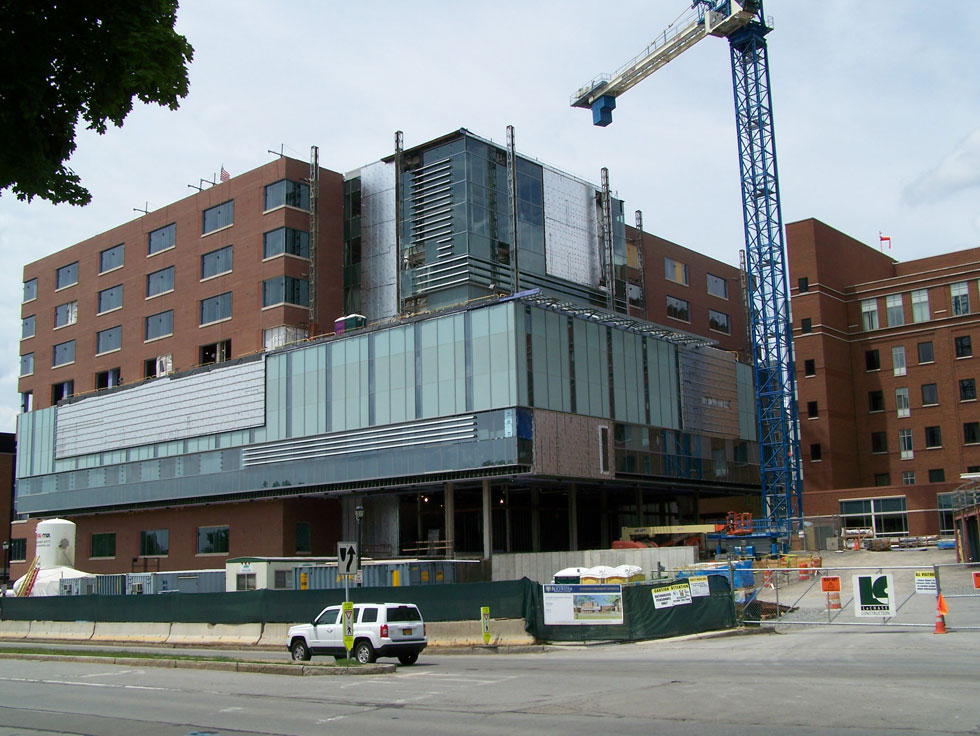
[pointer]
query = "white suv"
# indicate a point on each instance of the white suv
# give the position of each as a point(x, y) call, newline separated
point(380, 630)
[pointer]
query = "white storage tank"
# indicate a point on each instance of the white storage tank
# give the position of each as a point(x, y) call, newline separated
point(55, 543)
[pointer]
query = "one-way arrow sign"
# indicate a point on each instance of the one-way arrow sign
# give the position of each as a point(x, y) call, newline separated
point(347, 558)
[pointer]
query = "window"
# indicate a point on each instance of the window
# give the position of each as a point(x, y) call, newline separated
point(277, 337)
point(898, 360)
point(902, 402)
point(893, 308)
point(216, 352)
point(160, 282)
point(920, 305)
point(806, 325)
point(63, 390)
point(883, 516)
point(160, 325)
point(934, 437)
point(27, 364)
point(162, 239)
point(718, 321)
point(945, 503)
point(155, 543)
point(930, 394)
point(971, 433)
point(103, 545)
point(221, 215)
point(303, 537)
point(18, 550)
point(66, 276)
point(27, 327)
point(30, 290)
point(63, 353)
point(809, 367)
point(245, 581)
point(811, 410)
point(111, 258)
point(159, 366)
point(286, 289)
point(959, 299)
point(882, 479)
point(871, 360)
point(816, 454)
point(937, 475)
point(216, 308)
point(212, 540)
point(675, 271)
point(216, 262)
point(107, 379)
point(26, 401)
point(65, 314)
point(876, 401)
point(283, 580)
point(108, 340)
point(286, 240)
point(964, 346)
point(869, 314)
point(905, 444)
point(804, 284)
point(908, 478)
point(286, 192)
point(968, 389)
point(879, 442)
point(717, 286)
point(925, 352)
point(369, 615)
point(110, 299)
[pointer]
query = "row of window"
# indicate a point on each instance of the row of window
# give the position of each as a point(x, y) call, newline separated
point(281, 193)
point(677, 272)
point(680, 309)
point(959, 303)
point(962, 348)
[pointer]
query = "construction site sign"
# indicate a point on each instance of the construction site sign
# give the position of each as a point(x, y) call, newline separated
point(678, 594)
point(583, 604)
point(699, 586)
point(976, 581)
point(830, 584)
point(874, 596)
point(925, 582)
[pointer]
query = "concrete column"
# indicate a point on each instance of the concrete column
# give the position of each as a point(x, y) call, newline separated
point(535, 520)
point(487, 522)
point(507, 518)
point(449, 517)
point(573, 518)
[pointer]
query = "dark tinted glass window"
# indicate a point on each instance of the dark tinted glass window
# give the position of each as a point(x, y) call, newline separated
point(810, 367)
point(110, 298)
point(369, 615)
point(216, 308)
point(925, 352)
point(107, 340)
point(160, 325)
point(111, 258)
point(154, 542)
point(871, 360)
point(964, 347)
point(160, 281)
point(286, 192)
point(104, 545)
point(165, 237)
point(66, 276)
point(968, 389)
point(403, 613)
point(220, 215)
point(215, 262)
point(930, 394)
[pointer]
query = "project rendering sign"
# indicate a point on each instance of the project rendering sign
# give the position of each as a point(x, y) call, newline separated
point(583, 604)
point(874, 596)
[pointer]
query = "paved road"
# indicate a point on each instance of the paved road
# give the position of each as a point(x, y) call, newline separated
point(808, 682)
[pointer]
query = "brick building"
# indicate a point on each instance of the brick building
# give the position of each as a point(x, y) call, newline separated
point(181, 408)
point(887, 380)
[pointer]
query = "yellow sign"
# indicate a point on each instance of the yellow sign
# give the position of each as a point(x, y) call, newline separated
point(485, 619)
point(347, 610)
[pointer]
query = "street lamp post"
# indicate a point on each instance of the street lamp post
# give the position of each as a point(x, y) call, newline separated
point(6, 568)
point(358, 515)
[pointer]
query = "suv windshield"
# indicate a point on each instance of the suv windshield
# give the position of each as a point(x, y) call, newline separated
point(403, 613)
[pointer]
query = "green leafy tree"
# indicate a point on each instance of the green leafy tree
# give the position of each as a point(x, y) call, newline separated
point(65, 59)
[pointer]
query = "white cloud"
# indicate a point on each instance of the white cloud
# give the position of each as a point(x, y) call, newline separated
point(957, 172)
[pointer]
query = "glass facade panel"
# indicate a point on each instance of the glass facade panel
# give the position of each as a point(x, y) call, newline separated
point(162, 239)
point(216, 308)
point(882, 516)
point(107, 340)
point(216, 262)
point(219, 216)
point(286, 192)
point(111, 258)
point(285, 290)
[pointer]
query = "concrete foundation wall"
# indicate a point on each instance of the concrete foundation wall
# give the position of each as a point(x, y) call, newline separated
point(541, 566)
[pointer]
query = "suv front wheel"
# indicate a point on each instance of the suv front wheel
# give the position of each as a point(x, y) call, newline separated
point(301, 652)
point(363, 652)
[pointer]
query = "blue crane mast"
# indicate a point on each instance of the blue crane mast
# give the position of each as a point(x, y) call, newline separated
point(744, 25)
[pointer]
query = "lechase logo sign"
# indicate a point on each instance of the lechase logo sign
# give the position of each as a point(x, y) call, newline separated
point(874, 596)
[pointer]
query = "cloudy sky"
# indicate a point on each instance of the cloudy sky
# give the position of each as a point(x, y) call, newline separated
point(876, 110)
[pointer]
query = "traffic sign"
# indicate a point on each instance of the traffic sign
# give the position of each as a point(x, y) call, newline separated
point(485, 619)
point(830, 583)
point(347, 558)
point(347, 607)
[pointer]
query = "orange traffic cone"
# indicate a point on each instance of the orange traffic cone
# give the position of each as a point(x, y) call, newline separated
point(941, 611)
point(856, 546)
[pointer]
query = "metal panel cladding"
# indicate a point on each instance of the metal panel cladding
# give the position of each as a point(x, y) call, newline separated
point(378, 241)
point(570, 229)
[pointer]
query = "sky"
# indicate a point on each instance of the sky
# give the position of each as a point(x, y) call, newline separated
point(875, 107)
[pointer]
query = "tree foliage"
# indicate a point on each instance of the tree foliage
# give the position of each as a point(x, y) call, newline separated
point(61, 60)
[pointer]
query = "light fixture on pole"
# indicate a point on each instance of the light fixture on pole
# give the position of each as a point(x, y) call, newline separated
point(359, 515)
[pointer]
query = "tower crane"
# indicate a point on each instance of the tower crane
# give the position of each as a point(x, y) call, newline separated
point(745, 27)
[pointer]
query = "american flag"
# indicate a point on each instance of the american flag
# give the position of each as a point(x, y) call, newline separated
point(225, 176)
point(883, 240)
